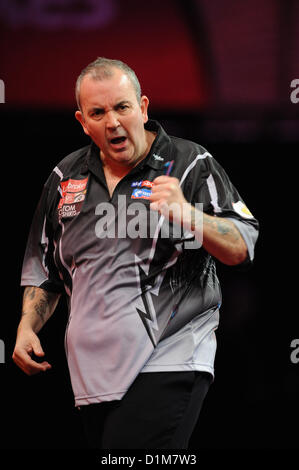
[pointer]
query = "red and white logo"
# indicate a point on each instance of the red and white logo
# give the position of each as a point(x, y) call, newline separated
point(147, 184)
point(72, 196)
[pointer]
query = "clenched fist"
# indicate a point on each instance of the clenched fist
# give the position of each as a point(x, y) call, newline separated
point(168, 198)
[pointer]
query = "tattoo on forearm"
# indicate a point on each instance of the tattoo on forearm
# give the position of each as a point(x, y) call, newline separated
point(41, 309)
point(223, 227)
point(29, 292)
point(40, 305)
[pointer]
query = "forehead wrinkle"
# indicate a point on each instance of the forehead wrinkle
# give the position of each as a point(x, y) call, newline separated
point(119, 102)
point(90, 96)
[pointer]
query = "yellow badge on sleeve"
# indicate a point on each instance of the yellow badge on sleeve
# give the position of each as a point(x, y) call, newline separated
point(242, 210)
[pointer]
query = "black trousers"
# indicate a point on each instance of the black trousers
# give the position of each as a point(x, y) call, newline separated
point(159, 411)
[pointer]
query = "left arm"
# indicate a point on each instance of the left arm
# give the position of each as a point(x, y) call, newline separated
point(220, 236)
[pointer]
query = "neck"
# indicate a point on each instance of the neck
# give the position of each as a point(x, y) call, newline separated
point(121, 169)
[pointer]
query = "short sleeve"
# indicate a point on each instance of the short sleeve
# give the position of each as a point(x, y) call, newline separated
point(39, 268)
point(222, 199)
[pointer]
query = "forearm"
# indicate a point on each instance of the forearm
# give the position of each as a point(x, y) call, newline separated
point(220, 237)
point(38, 306)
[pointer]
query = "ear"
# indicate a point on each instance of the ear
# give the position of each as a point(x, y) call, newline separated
point(79, 116)
point(144, 102)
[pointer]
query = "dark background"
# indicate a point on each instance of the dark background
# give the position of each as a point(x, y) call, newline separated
point(218, 73)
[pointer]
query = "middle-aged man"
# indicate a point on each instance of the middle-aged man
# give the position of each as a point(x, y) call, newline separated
point(129, 227)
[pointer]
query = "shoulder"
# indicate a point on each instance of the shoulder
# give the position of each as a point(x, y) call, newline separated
point(188, 147)
point(72, 161)
point(185, 144)
point(190, 153)
point(68, 166)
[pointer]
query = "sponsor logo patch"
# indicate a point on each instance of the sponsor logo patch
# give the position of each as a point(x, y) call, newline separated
point(141, 184)
point(158, 157)
point(141, 193)
point(242, 210)
point(73, 193)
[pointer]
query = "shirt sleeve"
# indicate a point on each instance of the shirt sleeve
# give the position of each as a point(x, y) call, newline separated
point(221, 199)
point(39, 268)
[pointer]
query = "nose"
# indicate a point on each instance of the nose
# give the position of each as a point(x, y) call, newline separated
point(112, 121)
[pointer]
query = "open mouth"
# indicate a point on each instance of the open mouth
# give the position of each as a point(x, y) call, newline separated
point(118, 140)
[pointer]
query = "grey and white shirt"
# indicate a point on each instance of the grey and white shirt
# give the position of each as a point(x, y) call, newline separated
point(142, 296)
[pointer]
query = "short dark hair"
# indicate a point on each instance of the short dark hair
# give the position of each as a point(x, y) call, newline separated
point(102, 68)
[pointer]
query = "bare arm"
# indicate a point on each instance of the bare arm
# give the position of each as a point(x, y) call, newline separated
point(38, 306)
point(220, 237)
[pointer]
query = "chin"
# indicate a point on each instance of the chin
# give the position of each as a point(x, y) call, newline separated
point(124, 158)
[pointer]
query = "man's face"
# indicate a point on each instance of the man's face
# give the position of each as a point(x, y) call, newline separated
point(113, 118)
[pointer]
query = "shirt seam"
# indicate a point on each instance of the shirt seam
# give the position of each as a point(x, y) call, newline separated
point(179, 364)
point(81, 397)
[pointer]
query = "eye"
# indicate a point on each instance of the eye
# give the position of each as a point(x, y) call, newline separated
point(123, 107)
point(97, 112)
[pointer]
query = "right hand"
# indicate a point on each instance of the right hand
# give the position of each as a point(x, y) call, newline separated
point(27, 343)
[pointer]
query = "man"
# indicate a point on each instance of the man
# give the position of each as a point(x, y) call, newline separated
point(142, 290)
